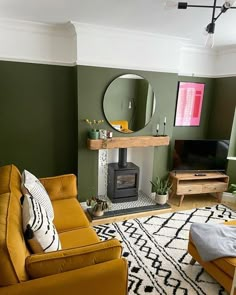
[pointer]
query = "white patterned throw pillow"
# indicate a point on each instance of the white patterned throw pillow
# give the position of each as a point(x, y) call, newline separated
point(39, 230)
point(32, 186)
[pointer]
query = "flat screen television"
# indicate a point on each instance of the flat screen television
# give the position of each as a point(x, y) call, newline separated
point(200, 155)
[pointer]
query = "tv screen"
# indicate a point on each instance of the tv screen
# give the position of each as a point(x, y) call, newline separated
point(204, 155)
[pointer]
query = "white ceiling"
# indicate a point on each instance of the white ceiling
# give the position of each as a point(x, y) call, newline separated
point(140, 15)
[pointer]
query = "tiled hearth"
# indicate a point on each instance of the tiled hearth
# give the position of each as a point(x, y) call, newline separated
point(143, 204)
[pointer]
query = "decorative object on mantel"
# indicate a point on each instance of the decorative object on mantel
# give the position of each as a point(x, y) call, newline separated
point(127, 142)
point(210, 28)
point(161, 188)
point(98, 206)
point(94, 132)
point(157, 130)
point(164, 129)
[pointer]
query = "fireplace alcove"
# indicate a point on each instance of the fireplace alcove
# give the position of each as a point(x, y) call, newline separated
point(141, 144)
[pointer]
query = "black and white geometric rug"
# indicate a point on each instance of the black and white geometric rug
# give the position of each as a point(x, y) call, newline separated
point(156, 250)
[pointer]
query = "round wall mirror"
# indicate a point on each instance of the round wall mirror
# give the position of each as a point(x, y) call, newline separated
point(129, 103)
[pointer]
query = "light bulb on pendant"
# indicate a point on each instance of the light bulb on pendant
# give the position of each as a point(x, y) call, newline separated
point(169, 4)
point(229, 3)
point(210, 41)
point(210, 38)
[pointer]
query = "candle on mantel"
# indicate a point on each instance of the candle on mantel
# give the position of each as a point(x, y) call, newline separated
point(158, 127)
point(165, 120)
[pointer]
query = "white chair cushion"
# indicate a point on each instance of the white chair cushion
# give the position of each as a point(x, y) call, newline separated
point(39, 230)
point(32, 186)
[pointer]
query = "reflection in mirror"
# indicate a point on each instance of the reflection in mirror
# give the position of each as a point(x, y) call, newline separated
point(129, 103)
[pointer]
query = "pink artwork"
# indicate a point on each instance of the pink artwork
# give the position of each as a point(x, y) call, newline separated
point(189, 104)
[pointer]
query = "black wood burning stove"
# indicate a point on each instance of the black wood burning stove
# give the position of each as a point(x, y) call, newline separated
point(123, 179)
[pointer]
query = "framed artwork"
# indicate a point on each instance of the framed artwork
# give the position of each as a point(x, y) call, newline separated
point(189, 103)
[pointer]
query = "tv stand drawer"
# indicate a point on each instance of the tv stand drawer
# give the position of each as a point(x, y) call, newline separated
point(186, 189)
point(214, 187)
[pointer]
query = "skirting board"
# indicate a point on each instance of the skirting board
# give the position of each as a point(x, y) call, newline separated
point(228, 197)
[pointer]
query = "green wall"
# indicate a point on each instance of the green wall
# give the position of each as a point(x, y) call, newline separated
point(38, 118)
point(224, 102)
point(223, 107)
point(42, 108)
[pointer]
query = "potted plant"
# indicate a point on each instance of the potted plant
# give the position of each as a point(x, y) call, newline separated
point(232, 188)
point(230, 194)
point(94, 131)
point(161, 187)
point(97, 205)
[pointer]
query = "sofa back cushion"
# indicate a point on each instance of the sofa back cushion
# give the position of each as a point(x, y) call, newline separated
point(13, 250)
point(32, 186)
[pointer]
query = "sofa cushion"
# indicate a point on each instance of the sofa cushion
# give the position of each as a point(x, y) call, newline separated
point(72, 212)
point(61, 186)
point(56, 262)
point(31, 185)
point(39, 230)
point(78, 238)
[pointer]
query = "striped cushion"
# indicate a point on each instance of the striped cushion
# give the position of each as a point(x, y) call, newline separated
point(32, 186)
point(38, 228)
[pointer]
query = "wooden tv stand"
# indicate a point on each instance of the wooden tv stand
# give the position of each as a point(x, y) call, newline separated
point(186, 183)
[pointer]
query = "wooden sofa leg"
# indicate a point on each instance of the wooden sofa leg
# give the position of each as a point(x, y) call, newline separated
point(233, 287)
point(192, 261)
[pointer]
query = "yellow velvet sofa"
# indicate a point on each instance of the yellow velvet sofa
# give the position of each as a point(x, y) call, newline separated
point(222, 269)
point(85, 265)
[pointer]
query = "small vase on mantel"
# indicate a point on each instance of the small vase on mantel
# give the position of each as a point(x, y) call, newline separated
point(93, 134)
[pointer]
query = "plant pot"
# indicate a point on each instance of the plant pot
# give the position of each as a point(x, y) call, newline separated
point(161, 199)
point(98, 213)
point(93, 134)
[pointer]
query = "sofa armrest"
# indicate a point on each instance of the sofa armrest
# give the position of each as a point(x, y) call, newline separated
point(45, 264)
point(60, 187)
point(105, 278)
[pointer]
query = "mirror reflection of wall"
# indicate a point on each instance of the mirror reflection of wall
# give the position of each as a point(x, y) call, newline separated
point(129, 103)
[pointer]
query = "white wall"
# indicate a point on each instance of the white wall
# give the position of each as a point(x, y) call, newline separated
point(106, 47)
point(37, 42)
point(84, 44)
point(226, 62)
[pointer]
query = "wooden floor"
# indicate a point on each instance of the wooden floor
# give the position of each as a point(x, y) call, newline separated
point(197, 201)
point(189, 202)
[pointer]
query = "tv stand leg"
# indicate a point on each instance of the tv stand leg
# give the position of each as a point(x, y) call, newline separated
point(181, 200)
point(219, 197)
point(172, 194)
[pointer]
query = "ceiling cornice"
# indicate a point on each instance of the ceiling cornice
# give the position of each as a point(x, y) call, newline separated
point(87, 44)
point(62, 30)
point(91, 28)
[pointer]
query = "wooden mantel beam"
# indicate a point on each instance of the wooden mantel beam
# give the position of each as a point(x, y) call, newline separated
point(127, 142)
